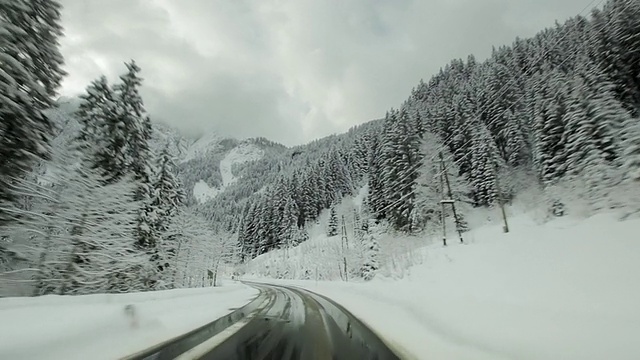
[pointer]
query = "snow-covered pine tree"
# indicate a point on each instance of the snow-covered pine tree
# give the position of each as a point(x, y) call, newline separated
point(429, 191)
point(332, 226)
point(34, 239)
point(340, 181)
point(418, 124)
point(459, 131)
point(592, 121)
point(409, 174)
point(296, 193)
point(391, 155)
point(168, 198)
point(615, 42)
point(371, 252)
point(580, 130)
point(289, 224)
point(360, 151)
point(193, 249)
point(607, 112)
point(515, 151)
point(630, 135)
point(402, 159)
point(376, 199)
point(40, 48)
point(246, 232)
point(78, 230)
point(549, 127)
point(485, 166)
point(103, 256)
point(307, 196)
point(103, 136)
point(181, 232)
point(24, 130)
point(136, 126)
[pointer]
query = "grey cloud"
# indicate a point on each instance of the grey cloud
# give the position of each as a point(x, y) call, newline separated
point(287, 70)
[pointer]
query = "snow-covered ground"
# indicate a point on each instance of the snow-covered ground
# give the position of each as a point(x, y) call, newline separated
point(96, 327)
point(203, 192)
point(567, 289)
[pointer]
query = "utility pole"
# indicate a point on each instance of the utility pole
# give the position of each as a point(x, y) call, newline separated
point(442, 214)
point(345, 246)
point(450, 196)
point(505, 228)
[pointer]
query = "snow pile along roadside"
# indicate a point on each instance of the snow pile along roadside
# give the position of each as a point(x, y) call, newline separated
point(564, 290)
point(98, 327)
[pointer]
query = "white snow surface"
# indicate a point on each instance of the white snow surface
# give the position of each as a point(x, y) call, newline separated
point(567, 289)
point(358, 200)
point(96, 327)
point(203, 192)
point(238, 155)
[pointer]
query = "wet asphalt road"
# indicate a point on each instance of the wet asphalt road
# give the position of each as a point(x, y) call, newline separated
point(281, 323)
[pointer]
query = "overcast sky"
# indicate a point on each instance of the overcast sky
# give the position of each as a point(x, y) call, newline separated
point(288, 70)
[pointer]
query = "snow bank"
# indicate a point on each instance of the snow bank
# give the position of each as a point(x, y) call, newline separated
point(564, 290)
point(96, 327)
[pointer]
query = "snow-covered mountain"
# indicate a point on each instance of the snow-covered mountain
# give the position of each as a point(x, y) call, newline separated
point(201, 147)
point(207, 165)
point(244, 152)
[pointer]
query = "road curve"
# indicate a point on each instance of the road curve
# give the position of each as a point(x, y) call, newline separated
point(283, 322)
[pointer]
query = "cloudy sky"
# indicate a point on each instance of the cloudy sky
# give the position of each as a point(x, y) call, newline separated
point(288, 70)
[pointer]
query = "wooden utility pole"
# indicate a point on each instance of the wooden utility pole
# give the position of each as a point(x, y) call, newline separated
point(442, 213)
point(345, 246)
point(505, 228)
point(450, 197)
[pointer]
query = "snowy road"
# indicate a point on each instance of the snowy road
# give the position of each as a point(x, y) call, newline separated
point(281, 323)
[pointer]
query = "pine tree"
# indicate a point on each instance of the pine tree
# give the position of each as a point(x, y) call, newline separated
point(515, 150)
point(102, 257)
point(32, 27)
point(168, 198)
point(549, 129)
point(332, 227)
point(616, 28)
point(402, 158)
point(485, 163)
point(371, 251)
point(418, 124)
point(79, 231)
point(376, 197)
point(592, 121)
point(136, 126)
point(289, 223)
point(429, 190)
point(102, 135)
point(630, 136)
point(41, 24)
point(24, 130)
